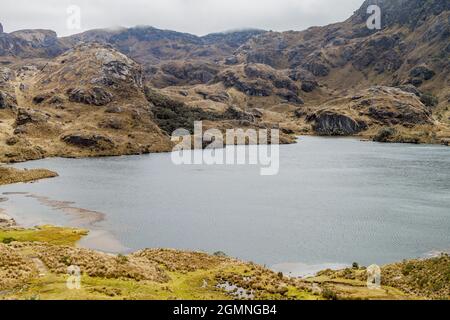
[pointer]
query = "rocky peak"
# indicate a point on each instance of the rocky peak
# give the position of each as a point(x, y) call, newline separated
point(411, 13)
point(39, 38)
point(1, 28)
point(92, 74)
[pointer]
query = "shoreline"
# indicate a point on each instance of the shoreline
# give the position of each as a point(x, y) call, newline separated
point(295, 139)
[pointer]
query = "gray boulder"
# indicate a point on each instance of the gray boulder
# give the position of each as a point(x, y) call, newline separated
point(331, 123)
point(96, 96)
point(89, 140)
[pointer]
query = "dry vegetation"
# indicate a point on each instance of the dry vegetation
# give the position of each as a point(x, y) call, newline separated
point(34, 264)
point(12, 175)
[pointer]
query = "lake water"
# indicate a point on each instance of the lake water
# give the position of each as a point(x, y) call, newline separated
point(335, 201)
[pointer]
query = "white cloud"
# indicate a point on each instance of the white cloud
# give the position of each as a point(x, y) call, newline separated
point(193, 16)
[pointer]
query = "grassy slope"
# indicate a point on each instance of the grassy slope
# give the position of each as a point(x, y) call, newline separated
point(48, 234)
point(182, 275)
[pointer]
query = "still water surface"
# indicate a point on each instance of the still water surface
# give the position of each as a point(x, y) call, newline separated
point(334, 201)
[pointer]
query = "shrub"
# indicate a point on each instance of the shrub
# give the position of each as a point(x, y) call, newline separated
point(171, 115)
point(384, 134)
point(429, 100)
point(8, 240)
point(122, 259)
point(329, 294)
point(220, 254)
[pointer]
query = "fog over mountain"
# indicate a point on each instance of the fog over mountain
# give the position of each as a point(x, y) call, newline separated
point(194, 16)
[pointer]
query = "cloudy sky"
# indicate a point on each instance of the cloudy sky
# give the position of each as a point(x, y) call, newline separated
point(194, 16)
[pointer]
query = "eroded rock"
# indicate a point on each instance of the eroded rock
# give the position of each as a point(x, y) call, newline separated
point(238, 114)
point(26, 116)
point(332, 123)
point(96, 96)
point(89, 140)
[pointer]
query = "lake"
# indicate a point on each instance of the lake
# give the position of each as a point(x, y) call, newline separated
point(334, 201)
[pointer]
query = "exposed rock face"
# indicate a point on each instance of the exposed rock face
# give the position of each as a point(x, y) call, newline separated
point(385, 134)
point(201, 77)
point(332, 123)
point(152, 46)
point(238, 114)
point(221, 97)
point(6, 221)
point(88, 140)
point(7, 101)
point(96, 96)
point(171, 114)
point(1, 28)
point(183, 73)
point(25, 116)
point(92, 66)
point(411, 13)
point(260, 80)
point(117, 69)
point(374, 107)
point(30, 44)
point(317, 68)
point(58, 121)
point(6, 75)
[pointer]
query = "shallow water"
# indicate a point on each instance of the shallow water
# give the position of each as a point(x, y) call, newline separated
point(335, 201)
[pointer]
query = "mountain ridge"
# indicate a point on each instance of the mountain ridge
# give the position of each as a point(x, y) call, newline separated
point(392, 85)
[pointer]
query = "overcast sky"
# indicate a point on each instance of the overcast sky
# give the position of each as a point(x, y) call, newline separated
point(194, 16)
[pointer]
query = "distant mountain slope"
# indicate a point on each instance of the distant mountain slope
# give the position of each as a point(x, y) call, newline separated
point(88, 101)
point(150, 45)
point(391, 85)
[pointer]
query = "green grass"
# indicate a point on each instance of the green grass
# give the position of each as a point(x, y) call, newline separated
point(47, 234)
point(181, 286)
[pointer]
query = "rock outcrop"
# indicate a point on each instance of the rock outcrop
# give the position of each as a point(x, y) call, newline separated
point(260, 80)
point(89, 140)
point(6, 221)
point(96, 96)
point(332, 123)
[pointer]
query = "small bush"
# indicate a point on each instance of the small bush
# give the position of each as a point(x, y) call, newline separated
point(220, 254)
point(122, 259)
point(8, 240)
point(171, 115)
point(329, 294)
point(429, 100)
point(384, 134)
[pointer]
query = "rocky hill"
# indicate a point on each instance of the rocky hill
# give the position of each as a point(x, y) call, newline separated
point(87, 101)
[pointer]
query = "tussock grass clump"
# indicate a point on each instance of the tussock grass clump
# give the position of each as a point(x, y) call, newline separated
point(180, 261)
point(14, 269)
point(428, 278)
